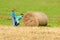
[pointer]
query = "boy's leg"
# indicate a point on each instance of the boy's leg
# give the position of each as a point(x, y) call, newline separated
point(13, 21)
point(17, 22)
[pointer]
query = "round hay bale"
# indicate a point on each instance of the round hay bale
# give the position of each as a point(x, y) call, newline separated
point(35, 19)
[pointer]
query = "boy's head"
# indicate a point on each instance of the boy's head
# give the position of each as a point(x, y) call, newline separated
point(22, 14)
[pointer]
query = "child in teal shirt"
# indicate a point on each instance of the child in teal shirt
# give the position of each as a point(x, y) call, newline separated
point(15, 19)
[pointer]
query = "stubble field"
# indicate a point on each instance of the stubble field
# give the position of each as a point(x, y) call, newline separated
point(29, 33)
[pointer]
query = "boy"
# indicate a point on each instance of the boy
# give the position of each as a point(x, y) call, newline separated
point(15, 19)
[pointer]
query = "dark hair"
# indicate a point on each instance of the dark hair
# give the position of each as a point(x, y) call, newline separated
point(22, 14)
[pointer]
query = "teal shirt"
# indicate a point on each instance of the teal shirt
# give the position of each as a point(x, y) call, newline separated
point(18, 17)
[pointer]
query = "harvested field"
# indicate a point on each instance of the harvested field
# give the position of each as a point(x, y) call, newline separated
point(29, 33)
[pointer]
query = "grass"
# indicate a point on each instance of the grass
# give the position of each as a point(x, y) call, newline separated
point(50, 7)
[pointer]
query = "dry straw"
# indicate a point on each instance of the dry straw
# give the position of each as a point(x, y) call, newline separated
point(35, 19)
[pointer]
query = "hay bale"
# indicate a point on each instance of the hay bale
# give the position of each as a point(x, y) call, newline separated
point(35, 19)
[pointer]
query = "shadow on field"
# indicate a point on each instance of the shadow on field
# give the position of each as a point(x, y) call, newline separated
point(45, 26)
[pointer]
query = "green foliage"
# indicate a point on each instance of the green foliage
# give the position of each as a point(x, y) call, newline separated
point(50, 7)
